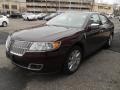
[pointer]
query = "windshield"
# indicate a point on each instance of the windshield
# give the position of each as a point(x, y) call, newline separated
point(69, 20)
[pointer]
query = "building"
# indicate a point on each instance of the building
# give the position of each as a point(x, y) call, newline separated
point(0, 6)
point(12, 6)
point(58, 5)
point(37, 6)
point(103, 8)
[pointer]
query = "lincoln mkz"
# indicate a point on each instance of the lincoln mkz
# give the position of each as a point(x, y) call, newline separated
point(62, 43)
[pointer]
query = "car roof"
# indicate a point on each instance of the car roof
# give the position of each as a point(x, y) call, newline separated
point(88, 12)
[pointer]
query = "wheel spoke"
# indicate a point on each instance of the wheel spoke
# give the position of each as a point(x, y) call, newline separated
point(74, 60)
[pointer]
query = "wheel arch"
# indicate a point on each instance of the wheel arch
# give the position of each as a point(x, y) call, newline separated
point(81, 45)
point(4, 21)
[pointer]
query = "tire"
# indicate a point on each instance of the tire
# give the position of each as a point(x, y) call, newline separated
point(24, 19)
point(109, 41)
point(4, 24)
point(73, 61)
point(28, 19)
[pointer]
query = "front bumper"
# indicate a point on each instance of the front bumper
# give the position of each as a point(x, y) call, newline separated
point(36, 61)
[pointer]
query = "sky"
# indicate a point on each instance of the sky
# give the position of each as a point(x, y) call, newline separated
point(109, 1)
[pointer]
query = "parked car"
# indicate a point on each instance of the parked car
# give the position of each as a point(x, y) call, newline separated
point(41, 16)
point(62, 43)
point(4, 21)
point(50, 16)
point(16, 15)
point(110, 16)
point(118, 17)
point(5, 14)
point(29, 16)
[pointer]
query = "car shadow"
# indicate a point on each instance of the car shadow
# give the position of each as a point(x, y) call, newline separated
point(17, 79)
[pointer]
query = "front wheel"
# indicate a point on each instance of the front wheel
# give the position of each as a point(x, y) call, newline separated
point(4, 24)
point(73, 60)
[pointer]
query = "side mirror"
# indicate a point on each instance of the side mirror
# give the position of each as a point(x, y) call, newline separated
point(93, 26)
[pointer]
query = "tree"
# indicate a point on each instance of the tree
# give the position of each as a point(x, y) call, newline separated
point(93, 3)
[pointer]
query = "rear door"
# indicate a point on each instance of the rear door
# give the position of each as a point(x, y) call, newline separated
point(105, 28)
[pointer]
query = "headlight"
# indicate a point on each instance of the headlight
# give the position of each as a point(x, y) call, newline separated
point(44, 46)
point(8, 42)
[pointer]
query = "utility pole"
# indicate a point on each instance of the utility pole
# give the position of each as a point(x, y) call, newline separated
point(41, 7)
point(33, 6)
point(19, 3)
point(46, 6)
point(93, 3)
point(59, 5)
point(3, 5)
point(69, 4)
point(81, 5)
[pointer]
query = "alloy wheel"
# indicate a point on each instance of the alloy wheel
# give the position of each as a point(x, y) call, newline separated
point(74, 60)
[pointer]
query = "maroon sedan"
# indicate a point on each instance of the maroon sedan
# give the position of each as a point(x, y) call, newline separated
point(62, 43)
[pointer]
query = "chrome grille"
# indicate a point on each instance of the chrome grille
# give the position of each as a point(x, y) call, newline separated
point(19, 47)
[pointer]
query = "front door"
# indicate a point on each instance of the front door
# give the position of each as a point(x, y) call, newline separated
point(93, 34)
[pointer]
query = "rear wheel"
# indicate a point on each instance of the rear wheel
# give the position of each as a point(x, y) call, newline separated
point(73, 60)
point(28, 19)
point(109, 41)
point(4, 24)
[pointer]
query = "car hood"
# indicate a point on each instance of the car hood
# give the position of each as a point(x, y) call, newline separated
point(45, 33)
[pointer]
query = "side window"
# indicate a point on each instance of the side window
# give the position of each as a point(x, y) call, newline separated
point(95, 19)
point(103, 19)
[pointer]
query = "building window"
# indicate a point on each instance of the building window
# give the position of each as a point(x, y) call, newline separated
point(100, 7)
point(104, 7)
point(14, 6)
point(5, 6)
point(109, 8)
